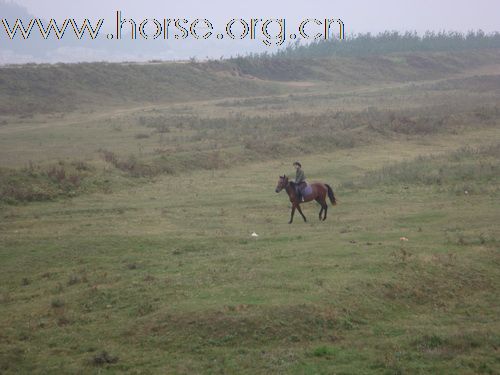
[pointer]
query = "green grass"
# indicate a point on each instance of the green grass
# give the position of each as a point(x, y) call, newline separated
point(157, 272)
point(169, 280)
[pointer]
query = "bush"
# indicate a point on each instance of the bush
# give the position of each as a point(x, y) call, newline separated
point(465, 164)
point(103, 358)
point(37, 183)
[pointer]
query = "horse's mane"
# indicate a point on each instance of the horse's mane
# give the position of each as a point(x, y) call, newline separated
point(292, 184)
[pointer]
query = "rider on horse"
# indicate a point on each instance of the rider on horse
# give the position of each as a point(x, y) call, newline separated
point(316, 191)
point(300, 180)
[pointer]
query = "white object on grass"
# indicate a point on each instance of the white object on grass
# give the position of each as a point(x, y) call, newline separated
point(255, 234)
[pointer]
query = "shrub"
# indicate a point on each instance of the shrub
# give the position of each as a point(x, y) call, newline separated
point(57, 303)
point(103, 358)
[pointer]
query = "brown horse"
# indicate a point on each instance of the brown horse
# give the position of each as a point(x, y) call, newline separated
point(318, 192)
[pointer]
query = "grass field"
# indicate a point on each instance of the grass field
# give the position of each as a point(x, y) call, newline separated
point(125, 233)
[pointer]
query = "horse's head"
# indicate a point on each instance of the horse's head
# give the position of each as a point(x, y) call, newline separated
point(282, 183)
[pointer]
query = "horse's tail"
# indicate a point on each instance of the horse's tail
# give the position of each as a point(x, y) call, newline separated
point(331, 195)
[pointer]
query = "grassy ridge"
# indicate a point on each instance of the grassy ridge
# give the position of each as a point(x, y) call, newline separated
point(31, 89)
point(362, 70)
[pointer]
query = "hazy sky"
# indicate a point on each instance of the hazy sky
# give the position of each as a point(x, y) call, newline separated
point(358, 15)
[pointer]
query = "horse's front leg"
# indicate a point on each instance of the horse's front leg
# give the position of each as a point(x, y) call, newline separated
point(300, 211)
point(293, 212)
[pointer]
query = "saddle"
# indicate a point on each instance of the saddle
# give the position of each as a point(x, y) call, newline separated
point(304, 189)
point(302, 186)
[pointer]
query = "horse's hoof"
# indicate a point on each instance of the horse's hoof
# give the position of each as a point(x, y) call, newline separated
point(289, 222)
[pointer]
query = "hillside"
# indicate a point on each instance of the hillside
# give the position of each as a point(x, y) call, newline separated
point(30, 89)
point(33, 89)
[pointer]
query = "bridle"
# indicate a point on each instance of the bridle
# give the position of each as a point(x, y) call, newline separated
point(282, 185)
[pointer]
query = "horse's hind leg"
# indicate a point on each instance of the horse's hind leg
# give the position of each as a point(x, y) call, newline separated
point(322, 208)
